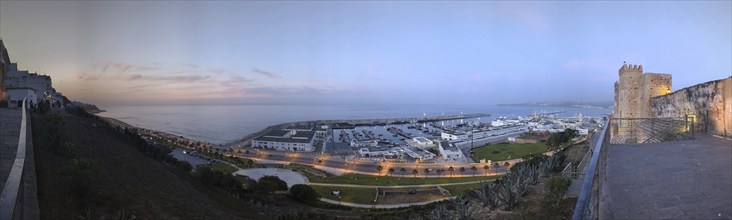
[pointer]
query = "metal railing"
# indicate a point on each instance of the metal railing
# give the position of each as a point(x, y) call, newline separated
point(651, 130)
point(11, 197)
point(588, 203)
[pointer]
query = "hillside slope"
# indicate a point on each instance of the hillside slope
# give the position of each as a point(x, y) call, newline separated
point(120, 181)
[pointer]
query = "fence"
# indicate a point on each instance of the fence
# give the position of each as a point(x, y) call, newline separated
point(588, 203)
point(651, 130)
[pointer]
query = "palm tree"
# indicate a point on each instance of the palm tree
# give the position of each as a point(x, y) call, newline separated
point(506, 164)
point(462, 170)
point(473, 168)
point(415, 173)
point(438, 171)
point(379, 168)
point(426, 171)
point(391, 171)
point(403, 170)
point(451, 169)
point(486, 168)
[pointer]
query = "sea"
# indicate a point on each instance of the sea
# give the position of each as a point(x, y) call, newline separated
point(221, 124)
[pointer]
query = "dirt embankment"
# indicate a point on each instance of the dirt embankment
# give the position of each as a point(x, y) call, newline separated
point(119, 180)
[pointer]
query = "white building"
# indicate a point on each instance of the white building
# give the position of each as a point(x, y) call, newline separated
point(286, 140)
point(454, 136)
point(41, 84)
point(422, 141)
point(364, 143)
point(16, 95)
point(376, 152)
point(450, 152)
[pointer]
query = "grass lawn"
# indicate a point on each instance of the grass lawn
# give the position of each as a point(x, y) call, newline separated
point(457, 190)
point(395, 180)
point(500, 152)
point(348, 194)
point(224, 167)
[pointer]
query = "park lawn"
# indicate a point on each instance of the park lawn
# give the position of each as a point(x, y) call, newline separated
point(457, 190)
point(348, 194)
point(499, 152)
point(223, 167)
point(394, 180)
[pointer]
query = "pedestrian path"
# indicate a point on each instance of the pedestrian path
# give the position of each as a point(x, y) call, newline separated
point(670, 180)
point(392, 206)
point(9, 134)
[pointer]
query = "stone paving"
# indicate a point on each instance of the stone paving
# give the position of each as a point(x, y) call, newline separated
point(9, 133)
point(670, 180)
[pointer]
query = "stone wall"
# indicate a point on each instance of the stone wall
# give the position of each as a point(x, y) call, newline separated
point(710, 104)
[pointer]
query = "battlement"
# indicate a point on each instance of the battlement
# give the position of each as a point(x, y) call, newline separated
point(631, 67)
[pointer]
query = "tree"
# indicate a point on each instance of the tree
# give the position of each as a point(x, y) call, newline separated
point(451, 169)
point(439, 171)
point(304, 193)
point(391, 171)
point(557, 140)
point(426, 172)
point(462, 170)
point(506, 164)
point(403, 170)
point(486, 168)
point(270, 184)
point(379, 168)
point(415, 173)
point(473, 168)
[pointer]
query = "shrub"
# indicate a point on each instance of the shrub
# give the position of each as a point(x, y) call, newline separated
point(304, 193)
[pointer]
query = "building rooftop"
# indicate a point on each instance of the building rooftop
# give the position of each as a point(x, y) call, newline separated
point(276, 133)
point(303, 134)
point(448, 146)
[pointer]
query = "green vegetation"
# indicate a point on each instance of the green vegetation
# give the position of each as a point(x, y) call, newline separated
point(270, 184)
point(304, 193)
point(223, 167)
point(500, 152)
point(361, 179)
point(560, 139)
point(457, 190)
point(243, 163)
point(348, 194)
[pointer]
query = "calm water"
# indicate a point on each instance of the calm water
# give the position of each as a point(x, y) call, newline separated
point(220, 124)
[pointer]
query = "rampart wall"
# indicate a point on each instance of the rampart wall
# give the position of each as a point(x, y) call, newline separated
point(710, 104)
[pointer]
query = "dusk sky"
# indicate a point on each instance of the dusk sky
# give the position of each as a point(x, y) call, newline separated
point(115, 53)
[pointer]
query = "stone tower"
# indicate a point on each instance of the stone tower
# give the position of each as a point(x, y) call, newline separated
point(628, 104)
point(633, 93)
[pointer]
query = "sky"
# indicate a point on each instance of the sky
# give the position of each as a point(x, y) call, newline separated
point(380, 52)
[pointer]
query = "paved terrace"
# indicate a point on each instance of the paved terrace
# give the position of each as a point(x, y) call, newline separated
point(9, 133)
point(677, 180)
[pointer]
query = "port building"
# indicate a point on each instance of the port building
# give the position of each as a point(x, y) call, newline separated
point(287, 140)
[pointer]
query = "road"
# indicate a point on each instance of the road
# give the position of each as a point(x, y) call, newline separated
point(397, 187)
point(370, 167)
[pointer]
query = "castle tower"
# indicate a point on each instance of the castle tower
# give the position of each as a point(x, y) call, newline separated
point(633, 93)
point(628, 91)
